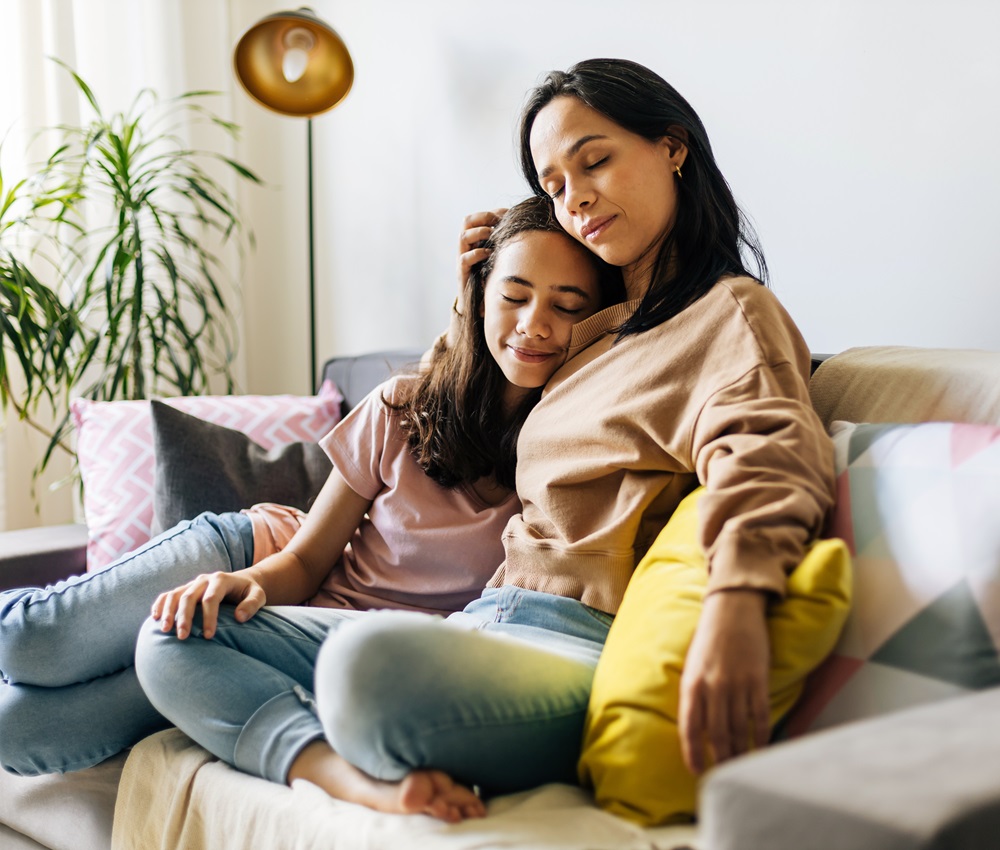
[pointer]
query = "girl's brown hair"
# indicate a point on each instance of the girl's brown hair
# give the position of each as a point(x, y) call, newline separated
point(454, 418)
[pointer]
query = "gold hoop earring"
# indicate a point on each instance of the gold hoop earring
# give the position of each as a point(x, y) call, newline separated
point(680, 176)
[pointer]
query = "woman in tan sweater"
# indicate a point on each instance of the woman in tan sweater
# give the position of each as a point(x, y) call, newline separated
point(699, 377)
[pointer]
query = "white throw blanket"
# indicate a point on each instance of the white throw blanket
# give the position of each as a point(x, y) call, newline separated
point(173, 794)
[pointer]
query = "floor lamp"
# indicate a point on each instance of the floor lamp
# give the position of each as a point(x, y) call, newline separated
point(295, 64)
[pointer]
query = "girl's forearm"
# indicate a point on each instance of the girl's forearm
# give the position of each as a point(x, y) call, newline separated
point(284, 577)
point(293, 575)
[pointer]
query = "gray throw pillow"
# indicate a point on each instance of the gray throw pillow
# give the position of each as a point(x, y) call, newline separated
point(201, 466)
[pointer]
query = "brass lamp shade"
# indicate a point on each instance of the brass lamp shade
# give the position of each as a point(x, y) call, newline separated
point(260, 52)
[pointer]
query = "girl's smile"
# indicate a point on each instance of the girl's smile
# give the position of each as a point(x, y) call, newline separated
point(541, 284)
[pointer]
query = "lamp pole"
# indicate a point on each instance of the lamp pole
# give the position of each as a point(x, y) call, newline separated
point(295, 64)
point(312, 255)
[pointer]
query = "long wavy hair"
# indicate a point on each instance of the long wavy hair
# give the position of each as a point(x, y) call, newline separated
point(454, 418)
point(711, 237)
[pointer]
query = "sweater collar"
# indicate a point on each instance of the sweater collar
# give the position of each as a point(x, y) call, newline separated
point(607, 320)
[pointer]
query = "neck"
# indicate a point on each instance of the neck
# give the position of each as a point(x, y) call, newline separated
point(637, 279)
point(512, 398)
point(638, 276)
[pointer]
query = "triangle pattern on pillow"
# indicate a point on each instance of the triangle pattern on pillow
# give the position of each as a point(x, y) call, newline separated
point(947, 640)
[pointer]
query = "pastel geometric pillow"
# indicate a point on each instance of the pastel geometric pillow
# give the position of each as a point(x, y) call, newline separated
point(114, 441)
point(919, 506)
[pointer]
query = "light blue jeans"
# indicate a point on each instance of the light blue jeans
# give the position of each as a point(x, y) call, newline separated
point(69, 696)
point(494, 695)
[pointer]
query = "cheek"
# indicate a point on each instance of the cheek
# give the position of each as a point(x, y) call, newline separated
point(661, 205)
point(562, 330)
point(566, 222)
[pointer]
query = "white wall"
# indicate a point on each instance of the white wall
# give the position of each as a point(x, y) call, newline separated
point(861, 136)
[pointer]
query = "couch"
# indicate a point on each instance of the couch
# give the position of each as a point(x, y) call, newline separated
point(875, 756)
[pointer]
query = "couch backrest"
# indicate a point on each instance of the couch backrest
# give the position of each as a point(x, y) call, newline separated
point(357, 376)
point(873, 384)
point(900, 384)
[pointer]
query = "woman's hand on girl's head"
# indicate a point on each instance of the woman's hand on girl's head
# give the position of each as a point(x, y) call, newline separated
point(176, 608)
point(724, 688)
point(476, 229)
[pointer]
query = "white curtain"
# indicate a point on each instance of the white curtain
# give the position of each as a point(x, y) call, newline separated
point(118, 47)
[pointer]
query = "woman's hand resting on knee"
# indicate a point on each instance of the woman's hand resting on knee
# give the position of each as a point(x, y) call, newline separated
point(176, 607)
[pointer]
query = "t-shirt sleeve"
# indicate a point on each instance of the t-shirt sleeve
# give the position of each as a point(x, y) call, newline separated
point(273, 526)
point(357, 443)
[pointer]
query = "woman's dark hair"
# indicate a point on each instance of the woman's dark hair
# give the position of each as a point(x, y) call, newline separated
point(710, 232)
point(454, 418)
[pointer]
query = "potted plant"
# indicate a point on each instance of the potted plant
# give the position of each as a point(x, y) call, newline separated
point(133, 222)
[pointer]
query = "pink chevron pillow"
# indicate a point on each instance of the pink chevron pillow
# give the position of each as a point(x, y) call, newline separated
point(114, 442)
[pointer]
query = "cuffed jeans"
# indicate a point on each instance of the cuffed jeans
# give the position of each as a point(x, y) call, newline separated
point(495, 695)
point(69, 696)
point(246, 694)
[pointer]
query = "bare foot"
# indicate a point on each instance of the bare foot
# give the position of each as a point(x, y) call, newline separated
point(428, 792)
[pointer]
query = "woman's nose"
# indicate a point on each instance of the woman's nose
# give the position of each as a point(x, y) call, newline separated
point(578, 196)
point(533, 321)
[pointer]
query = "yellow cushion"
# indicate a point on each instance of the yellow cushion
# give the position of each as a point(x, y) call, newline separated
point(631, 749)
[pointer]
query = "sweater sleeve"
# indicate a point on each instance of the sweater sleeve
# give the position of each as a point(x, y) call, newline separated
point(767, 464)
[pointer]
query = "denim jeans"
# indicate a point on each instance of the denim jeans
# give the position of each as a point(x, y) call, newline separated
point(495, 696)
point(69, 696)
point(246, 694)
point(514, 670)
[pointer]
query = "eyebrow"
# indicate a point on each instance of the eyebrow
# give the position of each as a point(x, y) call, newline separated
point(574, 149)
point(566, 287)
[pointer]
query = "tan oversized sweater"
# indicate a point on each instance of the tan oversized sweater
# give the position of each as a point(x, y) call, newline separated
point(625, 430)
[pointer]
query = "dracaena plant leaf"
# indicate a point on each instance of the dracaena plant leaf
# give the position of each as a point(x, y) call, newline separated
point(137, 232)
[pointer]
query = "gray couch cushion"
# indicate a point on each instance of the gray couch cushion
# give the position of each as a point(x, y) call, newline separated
point(72, 811)
point(926, 778)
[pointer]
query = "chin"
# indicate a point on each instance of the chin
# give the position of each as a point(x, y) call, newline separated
point(613, 255)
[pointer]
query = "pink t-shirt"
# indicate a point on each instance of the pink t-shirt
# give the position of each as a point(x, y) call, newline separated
point(421, 547)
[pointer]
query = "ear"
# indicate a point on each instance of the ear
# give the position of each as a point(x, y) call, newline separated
point(674, 144)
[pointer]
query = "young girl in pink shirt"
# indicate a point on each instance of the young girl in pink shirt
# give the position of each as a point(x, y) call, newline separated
point(409, 519)
point(397, 525)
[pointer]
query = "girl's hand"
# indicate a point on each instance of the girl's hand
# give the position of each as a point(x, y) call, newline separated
point(177, 606)
point(475, 230)
point(724, 687)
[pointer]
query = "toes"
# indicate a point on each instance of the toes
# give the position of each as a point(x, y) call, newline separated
point(417, 792)
point(434, 793)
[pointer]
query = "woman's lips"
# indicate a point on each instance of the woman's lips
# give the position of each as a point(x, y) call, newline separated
point(594, 229)
point(530, 355)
